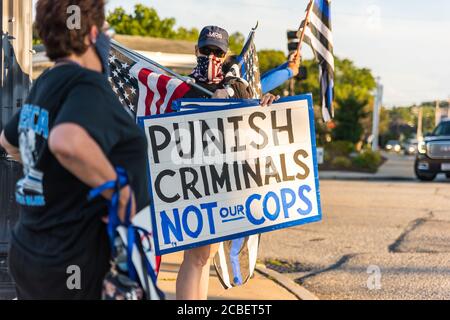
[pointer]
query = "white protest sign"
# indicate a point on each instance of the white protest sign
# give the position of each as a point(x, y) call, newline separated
point(224, 174)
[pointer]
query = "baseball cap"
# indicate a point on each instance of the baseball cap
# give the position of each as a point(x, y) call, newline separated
point(213, 36)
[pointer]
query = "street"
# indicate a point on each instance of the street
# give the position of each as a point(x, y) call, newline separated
point(400, 229)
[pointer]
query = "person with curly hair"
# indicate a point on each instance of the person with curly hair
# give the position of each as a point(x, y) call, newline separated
point(71, 135)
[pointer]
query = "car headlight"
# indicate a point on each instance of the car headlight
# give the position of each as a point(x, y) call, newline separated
point(422, 148)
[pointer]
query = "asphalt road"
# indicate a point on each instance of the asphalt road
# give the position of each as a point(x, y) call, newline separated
point(377, 240)
point(400, 166)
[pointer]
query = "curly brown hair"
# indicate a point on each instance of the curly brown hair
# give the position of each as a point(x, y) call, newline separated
point(52, 18)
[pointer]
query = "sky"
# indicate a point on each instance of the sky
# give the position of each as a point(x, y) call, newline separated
point(404, 42)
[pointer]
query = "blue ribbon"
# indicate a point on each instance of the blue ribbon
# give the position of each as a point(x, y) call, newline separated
point(113, 205)
point(236, 246)
point(114, 221)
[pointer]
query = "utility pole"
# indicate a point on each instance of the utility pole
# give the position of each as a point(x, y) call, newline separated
point(376, 115)
point(292, 87)
point(419, 124)
point(293, 44)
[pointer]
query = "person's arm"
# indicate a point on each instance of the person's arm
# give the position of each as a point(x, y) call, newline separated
point(276, 77)
point(78, 153)
point(13, 151)
point(279, 68)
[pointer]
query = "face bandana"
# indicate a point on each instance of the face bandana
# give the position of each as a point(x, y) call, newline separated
point(102, 47)
point(209, 69)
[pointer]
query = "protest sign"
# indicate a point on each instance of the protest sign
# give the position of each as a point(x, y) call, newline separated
point(230, 172)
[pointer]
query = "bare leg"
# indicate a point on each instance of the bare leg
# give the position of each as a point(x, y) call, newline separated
point(193, 277)
point(204, 282)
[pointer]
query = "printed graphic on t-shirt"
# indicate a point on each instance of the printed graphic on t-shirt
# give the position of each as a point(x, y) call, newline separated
point(33, 125)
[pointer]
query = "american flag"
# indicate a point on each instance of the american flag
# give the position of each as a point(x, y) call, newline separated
point(248, 59)
point(319, 36)
point(140, 86)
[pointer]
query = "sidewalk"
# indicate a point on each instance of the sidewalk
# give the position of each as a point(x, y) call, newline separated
point(396, 168)
point(259, 288)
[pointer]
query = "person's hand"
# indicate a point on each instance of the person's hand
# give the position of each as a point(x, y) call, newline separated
point(220, 94)
point(124, 198)
point(268, 99)
point(294, 63)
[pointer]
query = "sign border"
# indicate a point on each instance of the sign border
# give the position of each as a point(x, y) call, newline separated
point(245, 104)
point(190, 103)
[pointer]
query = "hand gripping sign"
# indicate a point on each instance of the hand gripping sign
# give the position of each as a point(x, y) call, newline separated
point(222, 173)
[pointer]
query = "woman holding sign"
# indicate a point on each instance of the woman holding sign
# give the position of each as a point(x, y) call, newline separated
point(211, 51)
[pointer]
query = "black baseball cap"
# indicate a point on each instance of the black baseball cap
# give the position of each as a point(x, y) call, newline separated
point(213, 36)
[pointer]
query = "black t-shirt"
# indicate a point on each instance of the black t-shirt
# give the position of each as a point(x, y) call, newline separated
point(58, 226)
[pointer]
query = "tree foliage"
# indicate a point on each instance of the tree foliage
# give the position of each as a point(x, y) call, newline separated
point(145, 21)
point(348, 119)
point(402, 122)
point(237, 40)
point(269, 59)
point(353, 99)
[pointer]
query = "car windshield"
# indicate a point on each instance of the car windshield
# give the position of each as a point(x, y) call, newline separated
point(442, 129)
point(392, 142)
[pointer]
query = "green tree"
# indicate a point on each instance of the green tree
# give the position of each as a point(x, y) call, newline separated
point(403, 121)
point(311, 84)
point(348, 119)
point(354, 101)
point(384, 120)
point(236, 41)
point(269, 59)
point(353, 93)
point(145, 21)
point(428, 118)
point(353, 81)
point(186, 34)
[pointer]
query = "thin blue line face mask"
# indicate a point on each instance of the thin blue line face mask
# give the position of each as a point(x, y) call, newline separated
point(102, 47)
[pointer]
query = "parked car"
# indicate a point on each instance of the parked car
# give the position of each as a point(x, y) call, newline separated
point(410, 146)
point(393, 145)
point(433, 154)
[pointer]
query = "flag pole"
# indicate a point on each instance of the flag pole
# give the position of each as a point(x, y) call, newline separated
point(187, 80)
point(249, 36)
point(302, 36)
point(256, 27)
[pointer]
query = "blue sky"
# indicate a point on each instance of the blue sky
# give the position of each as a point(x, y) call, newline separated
point(405, 42)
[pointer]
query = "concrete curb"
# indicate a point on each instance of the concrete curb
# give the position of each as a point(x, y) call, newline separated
point(367, 178)
point(294, 288)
